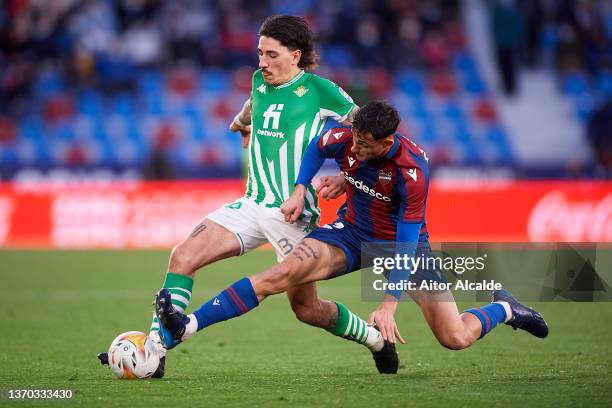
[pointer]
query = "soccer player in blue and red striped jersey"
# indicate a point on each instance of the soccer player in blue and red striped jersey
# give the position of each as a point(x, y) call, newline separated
point(386, 194)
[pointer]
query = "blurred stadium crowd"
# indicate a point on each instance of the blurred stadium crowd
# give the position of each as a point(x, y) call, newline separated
point(146, 88)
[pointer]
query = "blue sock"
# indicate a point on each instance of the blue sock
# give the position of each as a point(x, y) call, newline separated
point(490, 316)
point(234, 301)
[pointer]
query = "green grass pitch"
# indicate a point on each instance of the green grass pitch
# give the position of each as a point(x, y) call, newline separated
point(60, 308)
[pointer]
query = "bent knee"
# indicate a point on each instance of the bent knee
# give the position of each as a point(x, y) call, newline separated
point(303, 313)
point(454, 341)
point(182, 261)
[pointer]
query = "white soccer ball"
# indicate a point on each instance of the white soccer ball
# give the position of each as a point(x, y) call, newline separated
point(133, 355)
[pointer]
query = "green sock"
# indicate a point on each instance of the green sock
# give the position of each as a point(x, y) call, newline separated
point(352, 327)
point(180, 287)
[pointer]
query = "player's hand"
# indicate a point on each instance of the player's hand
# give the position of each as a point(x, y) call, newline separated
point(384, 320)
point(332, 187)
point(245, 131)
point(292, 208)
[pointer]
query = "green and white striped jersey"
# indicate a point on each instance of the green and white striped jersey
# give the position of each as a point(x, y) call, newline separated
point(285, 118)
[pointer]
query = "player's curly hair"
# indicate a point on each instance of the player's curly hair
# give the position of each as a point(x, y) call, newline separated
point(378, 118)
point(294, 33)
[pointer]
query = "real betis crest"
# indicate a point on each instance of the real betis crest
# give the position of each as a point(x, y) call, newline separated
point(384, 177)
point(301, 91)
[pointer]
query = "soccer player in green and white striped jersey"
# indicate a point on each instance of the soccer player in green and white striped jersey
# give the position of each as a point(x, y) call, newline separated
point(287, 108)
point(285, 118)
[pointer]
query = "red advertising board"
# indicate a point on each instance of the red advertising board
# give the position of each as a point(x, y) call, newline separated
point(159, 214)
point(524, 211)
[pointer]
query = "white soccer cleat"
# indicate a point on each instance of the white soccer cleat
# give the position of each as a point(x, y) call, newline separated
point(154, 336)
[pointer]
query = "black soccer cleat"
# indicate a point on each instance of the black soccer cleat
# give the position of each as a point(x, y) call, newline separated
point(103, 357)
point(172, 323)
point(161, 368)
point(523, 317)
point(386, 359)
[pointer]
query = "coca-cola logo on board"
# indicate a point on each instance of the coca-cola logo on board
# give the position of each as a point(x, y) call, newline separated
point(557, 218)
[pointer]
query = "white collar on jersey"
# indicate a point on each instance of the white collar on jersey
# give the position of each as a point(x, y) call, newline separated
point(291, 81)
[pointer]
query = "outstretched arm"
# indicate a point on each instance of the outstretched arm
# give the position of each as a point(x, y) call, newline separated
point(407, 235)
point(328, 145)
point(311, 163)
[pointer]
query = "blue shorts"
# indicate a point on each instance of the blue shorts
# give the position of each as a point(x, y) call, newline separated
point(349, 239)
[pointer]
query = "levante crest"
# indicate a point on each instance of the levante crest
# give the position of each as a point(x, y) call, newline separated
point(384, 177)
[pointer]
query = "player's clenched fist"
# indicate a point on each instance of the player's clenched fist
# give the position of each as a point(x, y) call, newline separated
point(245, 131)
point(242, 123)
point(292, 208)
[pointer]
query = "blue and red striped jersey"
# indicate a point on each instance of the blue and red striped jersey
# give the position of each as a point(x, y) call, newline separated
point(380, 193)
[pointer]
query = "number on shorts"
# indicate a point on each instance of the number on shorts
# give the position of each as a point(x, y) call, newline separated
point(285, 245)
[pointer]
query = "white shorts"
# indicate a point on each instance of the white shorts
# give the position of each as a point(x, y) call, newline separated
point(254, 225)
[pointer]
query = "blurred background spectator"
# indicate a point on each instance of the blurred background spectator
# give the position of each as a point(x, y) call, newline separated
point(508, 36)
point(599, 132)
point(146, 88)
